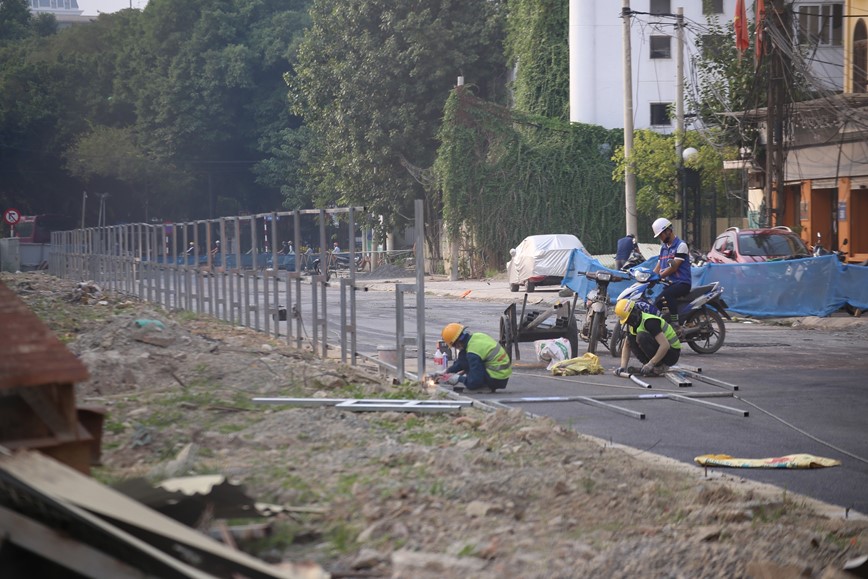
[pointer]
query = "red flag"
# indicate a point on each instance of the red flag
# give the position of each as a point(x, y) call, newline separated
point(760, 24)
point(742, 42)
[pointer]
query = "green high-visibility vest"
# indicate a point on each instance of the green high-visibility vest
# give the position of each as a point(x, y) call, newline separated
point(668, 330)
point(495, 358)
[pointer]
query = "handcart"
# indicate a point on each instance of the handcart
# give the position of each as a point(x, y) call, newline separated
point(557, 321)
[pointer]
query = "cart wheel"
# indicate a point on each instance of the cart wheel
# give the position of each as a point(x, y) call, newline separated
point(506, 335)
point(573, 336)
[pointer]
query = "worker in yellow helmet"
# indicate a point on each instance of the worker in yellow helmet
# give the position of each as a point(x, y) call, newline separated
point(650, 338)
point(481, 363)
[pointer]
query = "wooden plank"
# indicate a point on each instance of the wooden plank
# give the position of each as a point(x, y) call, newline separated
point(30, 354)
point(60, 548)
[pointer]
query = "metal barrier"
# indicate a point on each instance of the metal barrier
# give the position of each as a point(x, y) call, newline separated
point(237, 279)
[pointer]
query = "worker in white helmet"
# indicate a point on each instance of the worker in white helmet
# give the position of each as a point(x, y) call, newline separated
point(673, 265)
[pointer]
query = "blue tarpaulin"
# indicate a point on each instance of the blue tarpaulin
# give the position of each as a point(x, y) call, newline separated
point(813, 286)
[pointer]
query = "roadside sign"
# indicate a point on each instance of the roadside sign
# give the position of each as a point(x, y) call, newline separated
point(11, 216)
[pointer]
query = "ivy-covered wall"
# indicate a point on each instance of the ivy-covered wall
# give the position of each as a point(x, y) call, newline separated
point(537, 45)
point(504, 175)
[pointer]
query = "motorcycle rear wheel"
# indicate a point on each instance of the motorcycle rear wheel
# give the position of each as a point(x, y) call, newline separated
point(616, 340)
point(712, 333)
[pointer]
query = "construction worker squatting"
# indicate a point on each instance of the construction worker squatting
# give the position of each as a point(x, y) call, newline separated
point(481, 362)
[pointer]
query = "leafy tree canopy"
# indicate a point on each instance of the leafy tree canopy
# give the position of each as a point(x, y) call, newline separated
point(370, 82)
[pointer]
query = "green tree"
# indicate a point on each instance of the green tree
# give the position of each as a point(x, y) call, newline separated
point(656, 168)
point(15, 20)
point(725, 82)
point(206, 85)
point(370, 82)
point(113, 158)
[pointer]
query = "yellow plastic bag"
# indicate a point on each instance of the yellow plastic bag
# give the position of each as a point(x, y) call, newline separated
point(585, 364)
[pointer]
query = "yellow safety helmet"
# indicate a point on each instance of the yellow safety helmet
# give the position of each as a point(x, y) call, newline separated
point(451, 333)
point(623, 309)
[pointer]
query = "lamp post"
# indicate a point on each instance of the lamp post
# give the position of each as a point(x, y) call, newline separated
point(689, 181)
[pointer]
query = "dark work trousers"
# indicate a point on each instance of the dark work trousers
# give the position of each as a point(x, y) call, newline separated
point(668, 296)
point(644, 347)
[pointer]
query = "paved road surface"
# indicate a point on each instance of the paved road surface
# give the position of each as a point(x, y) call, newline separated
point(804, 389)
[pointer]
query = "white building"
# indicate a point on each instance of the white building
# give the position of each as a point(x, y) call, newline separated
point(56, 7)
point(596, 52)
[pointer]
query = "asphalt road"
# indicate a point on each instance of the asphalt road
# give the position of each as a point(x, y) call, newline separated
point(804, 390)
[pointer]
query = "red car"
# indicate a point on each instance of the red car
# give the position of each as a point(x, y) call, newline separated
point(754, 245)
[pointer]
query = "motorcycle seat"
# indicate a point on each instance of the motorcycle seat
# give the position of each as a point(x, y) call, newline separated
point(695, 293)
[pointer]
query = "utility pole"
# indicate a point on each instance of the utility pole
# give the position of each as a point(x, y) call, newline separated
point(629, 175)
point(773, 194)
point(679, 116)
point(83, 202)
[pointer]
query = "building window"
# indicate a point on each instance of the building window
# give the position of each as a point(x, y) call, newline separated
point(820, 24)
point(712, 7)
point(661, 47)
point(660, 115)
point(660, 7)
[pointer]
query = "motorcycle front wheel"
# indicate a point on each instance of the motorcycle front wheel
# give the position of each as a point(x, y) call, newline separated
point(597, 321)
point(710, 331)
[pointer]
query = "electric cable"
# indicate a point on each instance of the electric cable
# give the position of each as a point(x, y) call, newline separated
point(803, 431)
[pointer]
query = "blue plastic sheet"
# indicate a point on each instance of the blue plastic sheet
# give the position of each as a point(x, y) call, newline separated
point(813, 286)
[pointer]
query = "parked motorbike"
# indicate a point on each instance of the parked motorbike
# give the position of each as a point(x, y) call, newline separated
point(597, 305)
point(820, 250)
point(700, 313)
point(697, 258)
point(339, 263)
point(636, 258)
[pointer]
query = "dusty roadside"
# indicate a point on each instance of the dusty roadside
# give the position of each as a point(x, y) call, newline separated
point(479, 494)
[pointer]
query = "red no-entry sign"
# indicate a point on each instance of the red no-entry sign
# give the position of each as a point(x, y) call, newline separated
point(11, 216)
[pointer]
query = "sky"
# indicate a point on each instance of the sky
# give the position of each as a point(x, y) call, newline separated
point(94, 7)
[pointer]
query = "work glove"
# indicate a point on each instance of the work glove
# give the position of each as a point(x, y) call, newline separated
point(620, 371)
point(452, 380)
point(648, 369)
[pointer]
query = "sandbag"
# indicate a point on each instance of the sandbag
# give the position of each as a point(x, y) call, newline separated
point(552, 351)
point(585, 364)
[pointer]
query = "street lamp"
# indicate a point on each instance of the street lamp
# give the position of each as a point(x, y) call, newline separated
point(689, 180)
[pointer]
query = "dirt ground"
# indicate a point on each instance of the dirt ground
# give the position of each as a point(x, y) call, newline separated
point(487, 494)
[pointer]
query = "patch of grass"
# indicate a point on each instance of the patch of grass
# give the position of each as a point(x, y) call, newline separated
point(229, 428)
point(404, 391)
point(588, 484)
point(342, 537)
point(438, 488)
point(345, 483)
point(114, 426)
point(186, 316)
point(467, 551)
point(302, 487)
point(423, 437)
point(354, 391)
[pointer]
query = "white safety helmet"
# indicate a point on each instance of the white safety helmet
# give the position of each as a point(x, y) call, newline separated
point(660, 225)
